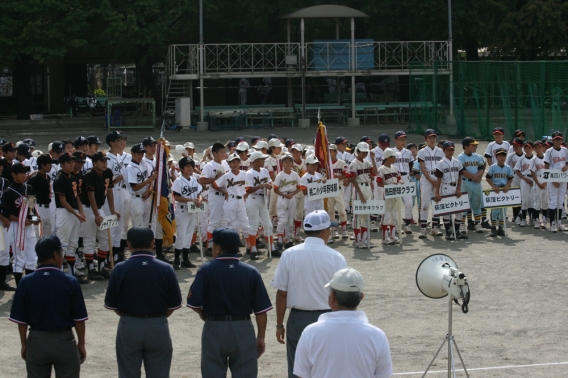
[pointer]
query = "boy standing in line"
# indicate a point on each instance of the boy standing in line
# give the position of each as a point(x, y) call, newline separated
point(499, 177)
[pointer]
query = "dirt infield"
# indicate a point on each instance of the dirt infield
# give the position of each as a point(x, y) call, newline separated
point(516, 314)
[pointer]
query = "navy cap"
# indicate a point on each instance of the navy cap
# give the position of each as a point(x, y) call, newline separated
point(399, 134)
point(518, 133)
point(45, 159)
point(148, 141)
point(430, 132)
point(501, 151)
point(518, 142)
point(272, 136)
point(45, 247)
point(8, 146)
point(289, 143)
point(3, 161)
point(24, 149)
point(80, 141)
point(185, 161)
point(99, 156)
point(254, 139)
point(20, 168)
point(66, 157)
point(231, 144)
point(449, 144)
point(498, 130)
point(469, 140)
point(365, 139)
point(384, 138)
point(227, 238)
point(140, 235)
point(93, 139)
point(58, 146)
point(2, 142)
point(138, 149)
point(340, 140)
point(557, 135)
point(239, 140)
point(29, 141)
point(114, 135)
point(80, 156)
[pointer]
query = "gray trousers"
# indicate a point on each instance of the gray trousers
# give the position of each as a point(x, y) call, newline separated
point(228, 345)
point(295, 325)
point(143, 340)
point(45, 350)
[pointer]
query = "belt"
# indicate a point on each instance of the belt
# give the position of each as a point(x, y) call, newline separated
point(529, 176)
point(227, 318)
point(137, 195)
point(142, 316)
point(466, 179)
point(403, 173)
point(89, 206)
point(237, 197)
point(218, 193)
point(298, 310)
point(257, 194)
point(363, 183)
point(451, 183)
point(43, 205)
point(57, 330)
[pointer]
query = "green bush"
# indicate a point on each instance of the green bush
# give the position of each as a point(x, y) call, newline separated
point(100, 93)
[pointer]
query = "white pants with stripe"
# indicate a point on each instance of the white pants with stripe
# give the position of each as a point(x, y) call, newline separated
point(140, 211)
point(5, 254)
point(541, 197)
point(116, 232)
point(68, 231)
point(362, 220)
point(236, 215)
point(286, 209)
point(45, 215)
point(334, 203)
point(92, 233)
point(427, 191)
point(185, 226)
point(258, 214)
point(527, 195)
point(217, 216)
point(25, 258)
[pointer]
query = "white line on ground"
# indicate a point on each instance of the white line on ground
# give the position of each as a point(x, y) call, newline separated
point(486, 368)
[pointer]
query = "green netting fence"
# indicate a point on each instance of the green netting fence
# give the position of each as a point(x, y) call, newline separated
point(531, 96)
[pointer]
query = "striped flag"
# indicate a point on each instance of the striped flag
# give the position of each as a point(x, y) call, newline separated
point(322, 152)
point(164, 209)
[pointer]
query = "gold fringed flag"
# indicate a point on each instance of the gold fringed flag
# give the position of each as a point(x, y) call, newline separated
point(322, 151)
point(163, 206)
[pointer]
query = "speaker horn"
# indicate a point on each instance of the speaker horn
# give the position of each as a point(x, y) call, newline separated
point(430, 275)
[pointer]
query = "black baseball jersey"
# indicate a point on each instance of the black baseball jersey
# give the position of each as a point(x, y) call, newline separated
point(7, 171)
point(67, 185)
point(42, 186)
point(93, 182)
point(80, 177)
point(12, 198)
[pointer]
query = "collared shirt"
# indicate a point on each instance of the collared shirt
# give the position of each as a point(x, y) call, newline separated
point(48, 299)
point(117, 164)
point(143, 285)
point(343, 344)
point(87, 166)
point(346, 156)
point(227, 286)
point(378, 151)
point(304, 270)
point(512, 159)
point(500, 175)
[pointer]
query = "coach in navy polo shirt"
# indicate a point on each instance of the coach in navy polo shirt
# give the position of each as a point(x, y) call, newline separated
point(143, 291)
point(50, 302)
point(224, 293)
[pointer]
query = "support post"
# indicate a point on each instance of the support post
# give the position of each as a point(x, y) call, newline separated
point(450, 56)
point(353, 68)
point(201, 125)
point(288, 52)
point(303, 67)
point(337, 86)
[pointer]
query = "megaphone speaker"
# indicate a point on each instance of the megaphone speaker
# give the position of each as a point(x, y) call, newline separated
point(430, 274)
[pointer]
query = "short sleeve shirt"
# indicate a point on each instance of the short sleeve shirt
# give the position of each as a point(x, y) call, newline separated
point(500, 175)
point(449, 170)
point(308, 178)
point(42, 186)
point(287, 182)
point(255, 178)
point(273, 165)
point(361, 170)
point(214, 170)
point(430, 157)
point(403, 160)
point(388, 175)
point(472, 163)
point(556, 159)
point(187, 187)
point(99, 184)
point(136, 173)
point(538, 165)
point(525, 165)
point(12, 198)
point(234, 184)
point(66, 185)
point(493, 147)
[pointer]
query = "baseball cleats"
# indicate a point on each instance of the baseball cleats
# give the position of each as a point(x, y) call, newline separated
point(523, 223)
point(407, 229)
point(561, 227)
point(254, 255)
point(388, 241)
point(478, 228)
point(395, 240)
point(288, 245)
point(344, 234)
point(209, 252)
point(536, 224)
point(470, 226)
point(486, 224)
point(518, 220)
point(422, 233)
point(500, 231)
point(330, 240)
point(177, 265)
point(493, 231)
point(6, 287)
point(164, 259)
point(450, 236)
point(93, 275)
point(105, 274)
point(82, 280)
point(461, 236)
point(462, 229)
point(188, 264)
point(194, 248)
point(436, 232)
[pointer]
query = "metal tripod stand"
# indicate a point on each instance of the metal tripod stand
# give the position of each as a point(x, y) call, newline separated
point(451, 345)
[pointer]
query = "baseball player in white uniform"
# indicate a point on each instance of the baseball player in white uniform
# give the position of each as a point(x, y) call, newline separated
point(187, 192)
point(360, 174)
point(428, 157)
point(388, 174)
point(556, 158)
point(524, 171)
point(286, 185)
point(242, 151)
point(512, 159)
point(311, 176)
point(404, 161)
point(138, 185)
point(540, 188)
point(274, 167)
point(492, 147)
point(333, 203)
point(300, 168)
point(347, 157)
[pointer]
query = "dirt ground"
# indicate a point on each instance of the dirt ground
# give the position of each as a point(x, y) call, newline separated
point(516, 314)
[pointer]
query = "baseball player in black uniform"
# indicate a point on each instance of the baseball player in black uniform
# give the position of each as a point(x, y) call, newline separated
point(9, 153)
point(4, 254)
point(41, 182)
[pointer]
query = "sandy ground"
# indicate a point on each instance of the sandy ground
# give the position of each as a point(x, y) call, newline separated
point(517, 309)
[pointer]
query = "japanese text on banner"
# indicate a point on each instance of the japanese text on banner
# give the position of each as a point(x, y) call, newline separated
point(371, 207)
point(394, 191)
point(319, 190)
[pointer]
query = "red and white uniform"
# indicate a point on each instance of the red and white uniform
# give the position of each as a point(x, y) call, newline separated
point(403, 162)
point(286, 208)
point(235, 211)
point(337, 203)
point(390, 176)
point(556, 159)
point(312, 205)
point(255, 204)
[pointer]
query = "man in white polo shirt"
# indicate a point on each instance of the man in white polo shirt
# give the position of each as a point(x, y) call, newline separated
point(342, 343)
point(300, 279)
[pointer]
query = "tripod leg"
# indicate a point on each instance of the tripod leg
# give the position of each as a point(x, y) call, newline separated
point(436, 355)
point(460, 356)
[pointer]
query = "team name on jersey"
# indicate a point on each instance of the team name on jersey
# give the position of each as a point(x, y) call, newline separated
point(284, 183)
point(558, 159)
point(432, 158)
point(232, 182)
point(539, 164)
point(244, 168)
point(500, 175)
point(402, 160)
point(141, 176)
point(259, 181)
point(188, 190)
point(338, 171)
point(524, 167)
point(470, 164)
point(450, 169)
point(388, 176)
point(363, 171)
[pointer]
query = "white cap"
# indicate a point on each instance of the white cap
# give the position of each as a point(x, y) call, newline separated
point(189, 145)
point(285, 150)
point(36, 153)
point(257, 155)
point(49, 147)
point(312, 159)
point(243, 146)
point(362, 147)
point(297, 147)
point(333, 147)
point(233, 156)
point(18, 143)
point(389, 152)
point(251, 151)
point(180, 149)
point(260, 145)
point(286, 156)
point(347, 280)
point(275, 142)
point(318, 220)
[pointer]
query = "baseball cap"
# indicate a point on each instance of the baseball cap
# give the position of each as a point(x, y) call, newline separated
point(45, 247)
point(189, 145)
point(347, 280)
point(2, 141)
point(184, 161)
point(3, 161)
point(272, 136)
point(45, 159)
point(501, 151)
point(312, 159)
point(8, 146)
point(365, 139)
point(63, 158)
point(389, 152)
point(333, 147)
point(518, 142)
point(261, 144)
point(498, 130)
point(286, 156)
point(58, 146)
point(239, 140)
point(29, 141)
point(362, 147)
point(140, 235)
point(449, 144)
point(275, 142)
point(384, 139)
point(148, 141)
point(243, 146)
point(518, 133)
point(226, 238)
point(114, 136)
point(231, 144)
point(233, 156)
point(289, 142)
point(79, 141)
point(20, 168)
point(318, 220)
point(430, 132)
point(138, 149)
point(297, 147)
point(254, 139)
point(469, 140)
point(80, 156)
point(93, 139)
point(340, 140)
point(529, 143)
point(24, 149)
point(257, 155)
point(557, 135)
point(99, 156)
point(399, 134)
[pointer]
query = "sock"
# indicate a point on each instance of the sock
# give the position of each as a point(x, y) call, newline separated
point(80, 244)
point(477, 218)
point(158, 243)
point(122, 246)
point(297, 226)
point(364, 234)
point(174, 238)
point(344, 226)
point(552, 215)
point(3, 273)
point(89, 262)
point(193, 238)
point(385, 231)
point(423, 223)
point(101, 259)
point(177, 253)
point(252, 242)
point(271, 241)
point(393, 232)
point(407, 222)
point(115, 254)
point(515, 212)
point(357, 233)
point(71, 264)
point(185, 254)
point(457, 224)
point(17, 277)
point(209, 237)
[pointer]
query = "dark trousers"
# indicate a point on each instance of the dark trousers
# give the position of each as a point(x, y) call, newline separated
point(143, 340)
point(297, 321)
point(229, 345)
point(47, 349)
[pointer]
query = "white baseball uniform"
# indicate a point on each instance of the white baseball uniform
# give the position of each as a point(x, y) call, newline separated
point(257, 211)
point(137, 173)
point(117, 164)
point(286, 183)
point(448, 171)
point(215, 198)
point(556, 159)
point(333, 203)
point(362, 171)
point(403, 163)
point(430, 157)
point(185, 221)
point(493, 147)
point(235, 211)
point(525, 166)
point(347, 157)
point(311, 205)
point(540, 195)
